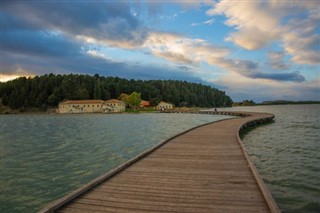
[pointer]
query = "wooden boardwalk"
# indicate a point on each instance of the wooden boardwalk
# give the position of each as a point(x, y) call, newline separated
point(205, 169)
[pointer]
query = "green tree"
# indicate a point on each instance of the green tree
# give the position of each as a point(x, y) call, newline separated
point(154, 101)
point(97, 90)
point(134, 100)
point(15, 100)
point(123, 97)
point(55, 97)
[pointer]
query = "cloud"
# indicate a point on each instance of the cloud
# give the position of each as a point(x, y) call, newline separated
point(40, 43)
point(252, 38)
point(256, 27)
point(259, 23)
point(241, 88)
point(252, 70)
point(293, 76)
point(180, 49)
point(301, 41)
point(48, 37)
point(6, 77)
point(276, 61)
point(42, 37)
point(208, 22)
point(28, 53)
point(91, 63)
point(105, 22)
point(183, 50)
point(175, 57)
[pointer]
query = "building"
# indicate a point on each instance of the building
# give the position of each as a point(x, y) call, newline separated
point(91, 106)
point(145, 104)
point(164, 106)
point(80, 106)
point(114, 105)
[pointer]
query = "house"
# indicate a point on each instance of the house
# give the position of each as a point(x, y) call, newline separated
point(144, 104)
point(80, 106)
point(114, 105)
point(91, 106)
point(164, 106)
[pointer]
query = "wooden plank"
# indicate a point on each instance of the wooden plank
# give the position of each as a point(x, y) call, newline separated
point(205, 169)
point(154, 200)
point(240, 194)
point(95, 206)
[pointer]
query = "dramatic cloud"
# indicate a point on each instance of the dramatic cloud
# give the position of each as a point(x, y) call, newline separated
point(256, 26)
point(154, 40)
point(105, 22)
point(41, 43)
point(91, 62)
point(181, 49)
point(259, 23)
point(194, 51)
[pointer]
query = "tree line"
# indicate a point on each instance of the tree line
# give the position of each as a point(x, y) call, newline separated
point(50, 89)
point(244, 103)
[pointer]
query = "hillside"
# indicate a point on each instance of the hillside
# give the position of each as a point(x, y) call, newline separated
point(48, 90)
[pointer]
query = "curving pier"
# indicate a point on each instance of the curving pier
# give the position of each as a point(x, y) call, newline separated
point(205, 169)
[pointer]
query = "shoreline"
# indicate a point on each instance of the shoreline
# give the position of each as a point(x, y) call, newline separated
point(4, 110)
point(37, 111)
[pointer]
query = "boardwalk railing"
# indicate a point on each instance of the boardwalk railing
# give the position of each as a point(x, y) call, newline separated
point(209, 112)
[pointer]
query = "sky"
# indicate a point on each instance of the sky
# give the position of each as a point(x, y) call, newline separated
point(252, 49)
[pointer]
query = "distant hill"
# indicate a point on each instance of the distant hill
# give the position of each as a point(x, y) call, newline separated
point(48, 90)
point(244, 103)
point(284, 102)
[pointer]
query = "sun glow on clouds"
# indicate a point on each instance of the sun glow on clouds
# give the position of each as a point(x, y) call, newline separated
point(4, 78)
point(181, 49)
point(259, 23)
point(9, 77)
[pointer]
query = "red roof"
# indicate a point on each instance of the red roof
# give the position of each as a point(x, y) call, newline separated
point(144, 103)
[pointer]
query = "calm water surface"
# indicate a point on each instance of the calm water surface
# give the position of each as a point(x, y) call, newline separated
point(43, 157)
point(287, 155)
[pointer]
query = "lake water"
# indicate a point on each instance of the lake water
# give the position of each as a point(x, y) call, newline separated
point(287, 155)
point(44, 157)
